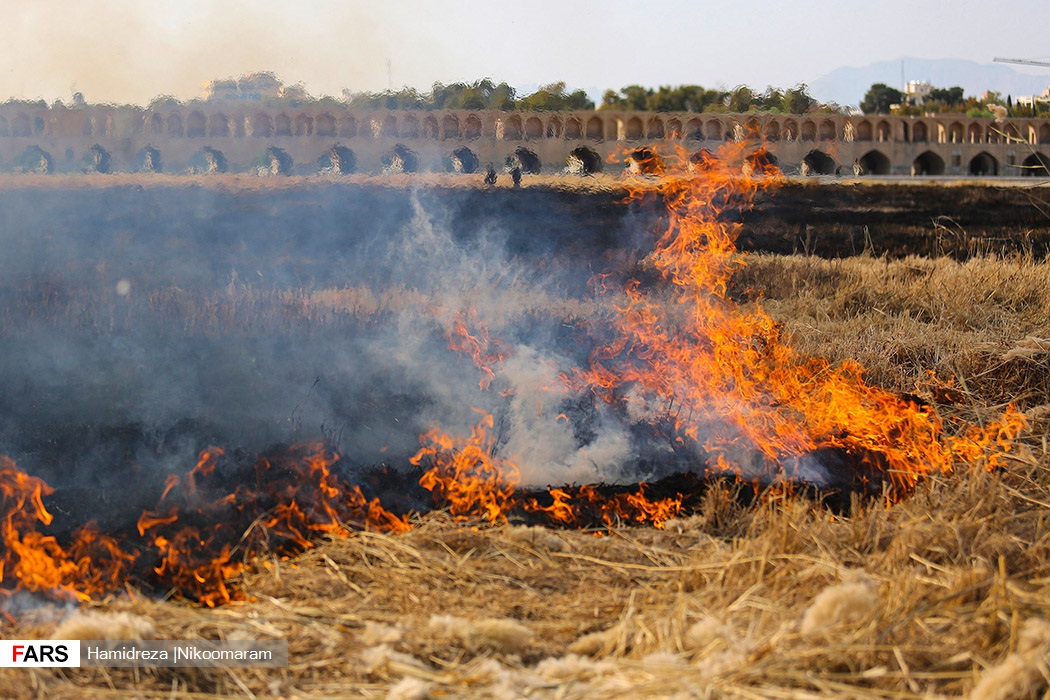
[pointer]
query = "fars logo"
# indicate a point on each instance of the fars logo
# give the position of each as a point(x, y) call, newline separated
point(39, 653)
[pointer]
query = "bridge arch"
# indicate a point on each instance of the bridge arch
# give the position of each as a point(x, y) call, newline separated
point(338, 159)
point(262, 125)
point(983, 164)
point(555, 128)
point(277, 161)
point(760, 163)
point(195, 124)
point(304, 125)
point(919, 133)
point(347, 126)
point(35, 159)
point(656, 128)
point(218, 125)
point(573, 129)
point(751, 129)
point(817, 162)
point(974, 133)
point(148, 160)
point(450, 127)
point(389, 127)
point(1044, 133)
point(714, 130)
point(595, 129)
point(702, 159)
point(643, 161)
point(790, 130)
point(1036, 165)
point(325, 125)
point(21, 125)
point(174, 124)
point(927, 163)
point(583, 160)
point(864, 130)
point(430, 127)
point(674, 129)
point(472, 127)
point(512, 129)
point(633, 129)
point(874, 163)
point(527, 160)
point(282, 125)
point(410, 127)
point(400, 159)
point(463, 160)
point(98, 159)
point(772, 130)
point(694, 129)
point(827, 130)
point(809, 130)
point(533, 128)
point(208, 161)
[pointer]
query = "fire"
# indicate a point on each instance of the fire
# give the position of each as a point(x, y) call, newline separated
point(737, 388)
point(470, 336)
point(718, 378)
point(465, 475)
point(199, 536)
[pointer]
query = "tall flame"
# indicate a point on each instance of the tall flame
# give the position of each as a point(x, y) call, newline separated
point(737, 387)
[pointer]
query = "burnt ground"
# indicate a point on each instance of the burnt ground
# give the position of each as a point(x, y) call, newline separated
point(297, 230)
point(898, 219)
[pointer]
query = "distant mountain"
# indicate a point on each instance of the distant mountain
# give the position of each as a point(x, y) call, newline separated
point(848, 85)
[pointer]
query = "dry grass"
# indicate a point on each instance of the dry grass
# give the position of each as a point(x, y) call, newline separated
point(945, 594)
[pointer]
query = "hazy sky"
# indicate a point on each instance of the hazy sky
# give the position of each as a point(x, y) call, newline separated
point(134, 50)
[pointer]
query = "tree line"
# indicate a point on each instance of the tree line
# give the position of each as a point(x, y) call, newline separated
point(487, 94)
point(883, 99)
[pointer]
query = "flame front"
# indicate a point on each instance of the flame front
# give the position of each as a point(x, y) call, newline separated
point(716, 376)
point(726, 379)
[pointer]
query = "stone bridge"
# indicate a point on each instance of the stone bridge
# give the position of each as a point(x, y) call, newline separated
point(328, 137)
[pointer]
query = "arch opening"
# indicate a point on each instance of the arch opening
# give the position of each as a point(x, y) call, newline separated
point(400, 159)
point(276, 161)
point(337, 160)
point(983, 164)
point(525, 159)
point(583, 161)
point(463, 160)
point(928, 163)
point(148, 160)
point(761, 163)
point(873, 163)
point(35, 160)
point(643, 161)
point(208, 161)
point(1036, 165)
point(817, 162)
point(98, 159)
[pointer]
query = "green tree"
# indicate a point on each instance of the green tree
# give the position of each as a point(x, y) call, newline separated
point(797, 100)
point(879, 98)
point(553, 96)
point(741, 99)
point(950, 97)
point(633, 97)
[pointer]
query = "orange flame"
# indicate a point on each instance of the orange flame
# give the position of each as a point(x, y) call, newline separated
point(465, 475)
point(738, 387)
point(479, 345)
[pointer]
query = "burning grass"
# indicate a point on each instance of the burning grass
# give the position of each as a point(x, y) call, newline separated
point(937, 588)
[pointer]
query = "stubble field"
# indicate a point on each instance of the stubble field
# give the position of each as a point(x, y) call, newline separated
point(943, 593)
